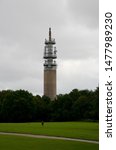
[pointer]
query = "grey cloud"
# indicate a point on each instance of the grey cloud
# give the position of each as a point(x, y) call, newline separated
point(79, 74)
point(78, 45)
point(23, 18)
point(85, 12)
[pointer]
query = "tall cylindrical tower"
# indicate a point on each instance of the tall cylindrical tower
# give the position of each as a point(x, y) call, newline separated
point(50, 67)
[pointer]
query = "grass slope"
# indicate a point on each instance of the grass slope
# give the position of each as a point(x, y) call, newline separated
point(24, 143)
point(83, 130)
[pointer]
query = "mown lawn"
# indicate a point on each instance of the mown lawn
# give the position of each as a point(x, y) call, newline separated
point(27, 143)
point(83, 130)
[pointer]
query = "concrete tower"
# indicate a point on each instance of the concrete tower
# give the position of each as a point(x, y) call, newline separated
point(50, 67)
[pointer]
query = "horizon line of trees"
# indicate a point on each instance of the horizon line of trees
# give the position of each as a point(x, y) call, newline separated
point(22, 106)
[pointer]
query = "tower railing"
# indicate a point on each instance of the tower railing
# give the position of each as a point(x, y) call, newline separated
point(46, 55)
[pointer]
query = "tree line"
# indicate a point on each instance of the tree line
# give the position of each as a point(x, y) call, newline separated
point(22, 106)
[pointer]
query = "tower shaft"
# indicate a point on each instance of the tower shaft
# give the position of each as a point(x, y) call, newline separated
point(50, 68)
point(50, 83)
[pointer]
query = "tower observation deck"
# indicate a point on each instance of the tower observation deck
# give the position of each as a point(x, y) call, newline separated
point(50, 67)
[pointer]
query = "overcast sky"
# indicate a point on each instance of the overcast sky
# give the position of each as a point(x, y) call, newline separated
point(23, 28)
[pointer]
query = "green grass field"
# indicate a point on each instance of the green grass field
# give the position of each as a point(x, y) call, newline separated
point(26, 143)
point(83, 130)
